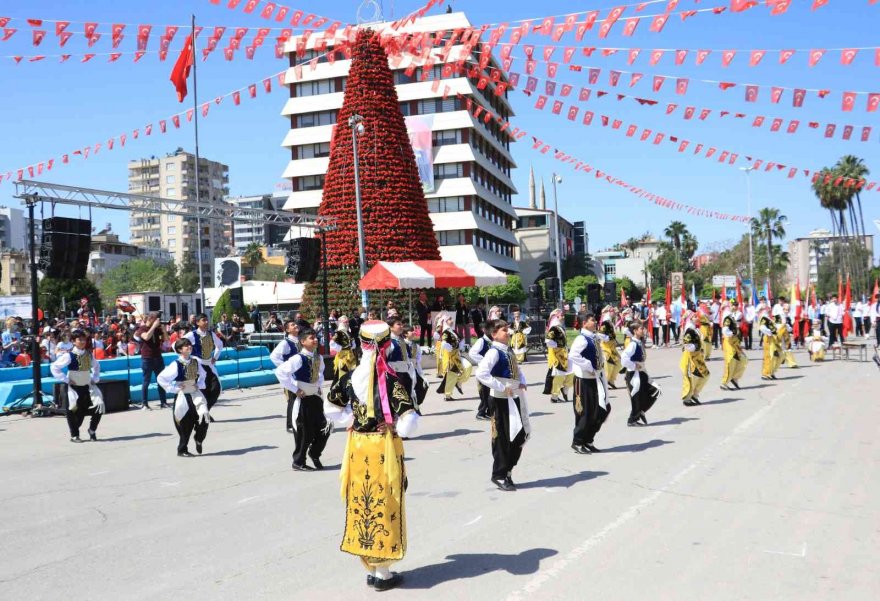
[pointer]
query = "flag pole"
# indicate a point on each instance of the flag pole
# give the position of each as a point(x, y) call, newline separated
point(195, 96)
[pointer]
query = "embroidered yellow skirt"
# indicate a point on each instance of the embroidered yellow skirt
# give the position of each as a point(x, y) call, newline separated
point(373, 477)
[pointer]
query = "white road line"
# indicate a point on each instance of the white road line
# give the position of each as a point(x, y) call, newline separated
point(246, 499)
point(169, 484)
point(552, 572)
point(474, 521)
point(99, 473)
point(803, 552)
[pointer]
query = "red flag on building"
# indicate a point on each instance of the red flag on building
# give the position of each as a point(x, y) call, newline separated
point(623, 302)
point(180, 72)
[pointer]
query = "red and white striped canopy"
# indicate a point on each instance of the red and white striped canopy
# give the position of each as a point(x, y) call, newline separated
point(386, 275)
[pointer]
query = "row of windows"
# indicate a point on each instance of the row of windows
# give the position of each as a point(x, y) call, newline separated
point(493, 244)
point(319, 86)
point(491, 213)
point(315, 119)
point(312, 151)
point(451, 204)
point(452, 238)
point(445, 170)
point(491, 183)
point(484, 147)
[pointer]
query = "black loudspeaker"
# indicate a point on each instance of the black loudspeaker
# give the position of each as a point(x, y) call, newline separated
point(551, 285)
point(610, 290)
point(236, 297)
point(536, 294)
point(116, 395)
point(65, 248)
point(304, 259)
point(593, 291)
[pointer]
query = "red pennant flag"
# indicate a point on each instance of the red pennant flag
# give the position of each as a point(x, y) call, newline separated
point(656, 55)
point(7, 33)
point(62, 39)
point(37, 36)
point(776, 125)
point(680, 56)
point(798, 98)
point(784, 55)
point(252, 90)
point(751, 93)
point(86, 58)
point(820, 4)
point(176, 121)
point(634, 79)
point(162, 126)
point(670, 108)
point(775, 95)
point(758, 122)
point(792, 126)
point(630, 27)
point(847, 132)
point(849, 101)
point(645, 134)
point(726, 85)
point(683, 146)
point(180, 72)
point(189, 114)
point(689, 113)
point(780, 7)
point(89, 29)
point(756, 57)
point(866, 133)
point(114, 57)
point(267, 84)
point(631, 130)
point(681, 85)
point(658, 82)
point(116, 30)
point(588, 117)
point(727, 56)
point(829, 130)
point(60, 26)
point(738, 6)
point(633, 53)
point(659, 22)
point(847, 55)
point(704, 114)
point(572, 113)
point(250, 5)
point(702, 55)
point(815, 56)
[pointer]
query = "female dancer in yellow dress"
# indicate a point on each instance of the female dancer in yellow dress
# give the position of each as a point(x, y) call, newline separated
point(519, 330)
point(783, 329)
point(608, 337)
point(735, 360)
point(694, 371)
point(770, 341)
point(559, 379)
point(816, 343)
point(450, 367)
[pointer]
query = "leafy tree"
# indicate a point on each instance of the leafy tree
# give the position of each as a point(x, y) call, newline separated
point(572, 266)
point(138, 275)
point(52, 291)
point(188, 273)
point(270, 273)
point(632, 291)
point(769, 224)
point(224, 306)
point(252, 258)
point(577, 286)
point(511, 292)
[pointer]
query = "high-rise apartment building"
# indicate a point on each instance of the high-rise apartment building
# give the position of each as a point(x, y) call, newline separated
point(471, 201)
point(173, 177)
point(265, 234)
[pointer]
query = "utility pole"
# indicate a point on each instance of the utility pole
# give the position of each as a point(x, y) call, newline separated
point(557, 180)
point(355, 122)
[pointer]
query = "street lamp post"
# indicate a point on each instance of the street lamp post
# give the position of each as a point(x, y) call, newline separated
point(557, 180)
point(355, 122)
point(748, 171)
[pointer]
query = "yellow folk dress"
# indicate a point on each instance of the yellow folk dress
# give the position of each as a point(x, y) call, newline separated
point(558, 379)
point(785, 354)
point(518, 339)
point(613, 365)
point(770, 361)
point(735, 359)
point(706, 335)
point(450, 367)
point(693, 367)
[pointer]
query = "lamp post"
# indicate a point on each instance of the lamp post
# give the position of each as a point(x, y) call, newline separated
point(557, 180)
point(355, 122)
point(748, 171)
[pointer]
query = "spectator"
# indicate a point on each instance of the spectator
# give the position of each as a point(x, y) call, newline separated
point(423, 311)
point(462, 319)
point(23, 359)
point(237, 330)
point(858, 314)
point(48, 344)
point(223, 328)
point(439, 304)
point(274, 325)
point(478, 318)
point(150, 337)
point(390, 310)
point(64, 344)
point(11, 343)
point(301, 322)
point(256, 319)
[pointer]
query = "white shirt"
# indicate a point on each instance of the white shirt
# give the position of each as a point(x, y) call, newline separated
point(285, 372)
point(582, 366)
point(281, 349)
point(167, 378)
point(63, 360)
point(750, 313)
point(834, 313)
point(479, 349)
point(484, 369)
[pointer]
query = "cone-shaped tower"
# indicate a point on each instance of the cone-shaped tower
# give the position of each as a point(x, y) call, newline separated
point(532, 199)
point(543, 196)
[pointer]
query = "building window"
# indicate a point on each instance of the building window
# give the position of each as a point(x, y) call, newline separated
point(446, 137)
point(170, 166)
point(446, 205)
point(610, 269)
point(172, 243)
point(171, 191)
point(310, 182)
point(448, 170)
point(450, 238)
point(317, 118)
point(315, 88)
point(172, 229)
point(170, 179)
point(314, 151)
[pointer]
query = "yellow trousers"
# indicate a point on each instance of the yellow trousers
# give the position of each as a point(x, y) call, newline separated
point(817, 355)
point(770, 362)
point(612, 361)
point(707, 349)
point(788, 358)
point(560, 382)
point(694, 374)
point(453, 378)
point(734, 362)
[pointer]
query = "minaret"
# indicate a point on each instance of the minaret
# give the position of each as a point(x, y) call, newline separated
point(532, 200)
point(543, 197)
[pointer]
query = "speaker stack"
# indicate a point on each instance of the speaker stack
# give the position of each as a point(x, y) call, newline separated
point(304, 259)
point(610, 291)
point(65, 248)
point(593, 295)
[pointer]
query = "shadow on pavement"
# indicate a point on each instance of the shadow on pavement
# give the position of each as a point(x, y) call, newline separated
point(562, 481)
point(249, 419)
point(675, 421)
point(473, 565)
point(134, 437)
point(638, 448)
point(719, 401)
point(540, 414)
point(245, 451)
point(453, 434)
point(452, 412)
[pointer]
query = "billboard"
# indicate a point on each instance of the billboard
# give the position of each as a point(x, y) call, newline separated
point(419, 129)
point(227, 272)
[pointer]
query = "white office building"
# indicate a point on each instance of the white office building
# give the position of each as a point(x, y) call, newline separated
point(265, 234)
point(471, 202)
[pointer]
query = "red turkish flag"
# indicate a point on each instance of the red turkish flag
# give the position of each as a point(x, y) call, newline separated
point(656, 55)
point(631, 130)
point(572, 113)
point(565, 91)
point(873, 102)
point(849, 101)
point(584, 94)
point(557, 107)
point(7, 33)
point(829, 130)
point(89, 29)
point(701, 56)
point(815, 56)
point(670, 108)
point(756, 57)
point(780, 7)
point(847, 132)
point(251, 5)
point(775, 95)
point(588, 117)
point(180, 72)
point(630, 27)
point(723, 156)
point(727, 56)
point(819, 3)
point(267, 84)
point(268, 10)
point(645, 135)
point(798, 98)
point(741, 5)
point(784, 55)
point(659, 22)
point(176, 121)
point(776, 125)
point(758, 122)
point(709, 153)
point(792, 126)
point(541, 102)
point(605, 29)
point(683, 146)
point(163, 125)
point(681, 85)
point(680, 55)
point(689, 112)
point(634, 79)
point(38, 35)
point(866, 133)
point(117, 29)
point(60, 26)
point(594, 76)
point(551, 69)
point(847, 55)
point(751, 93)
point(614, 77)
point(658, 82)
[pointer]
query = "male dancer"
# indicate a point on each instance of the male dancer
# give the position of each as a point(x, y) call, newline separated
point(771, 345)
point(591, 406)
point(377, 410)
point(608, 338)
point(303, 375)
point(286, 349)
point(83, 396)
point(455, 373)
point(642, 392)
point(476, 354)
point(415, 354)
point(185, 379)
point(519, 330)
point(500, 372)
point(735, 359)
point(559, 378)
point(342, 348)
point(399, 358)
point(694, 371)
point(206, 347)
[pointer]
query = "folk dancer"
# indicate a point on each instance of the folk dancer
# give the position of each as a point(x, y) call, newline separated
point(817, 343)
point(705, 331)
point(511, 428)
point(608, 340)
point(206, 348)
point(415, 354)
point(770, 342)
point(476, 354)
point(591, 404)
point(185, 379)
point(559, 379)
point(694, 371)
point(642, 391)
point(83, 395)
point(303, 375)
point(342, 347)
point(399, 359)
point(452, 369)
point(519, 330)
point(735, 359)
point(377, 410)
point(783, 329)
point(284, 350)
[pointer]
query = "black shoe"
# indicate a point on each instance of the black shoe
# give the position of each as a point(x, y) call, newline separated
point(735, 384)
point(184, 454)
point(503, 485)
point(766, 378)
point(554, 400)
point(635, 424)
point(371, 580)
point(146, 407)
point(93, 436)
point(211, 419)
point(75, 439)
point(458, 388)
point(163, 405)
point(302, 468)
point(612, 386)
point(564, 397)
point(290, 430)
point(386, 584)
point(773, 377)
point(645, 419)
point(696, 401)
point(198, 447)
point(509, 481)
point(580, 449)
point(592, 448)
point(318, 464)
point(483, 417)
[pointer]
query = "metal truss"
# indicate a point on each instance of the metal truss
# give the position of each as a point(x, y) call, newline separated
point(34, 192)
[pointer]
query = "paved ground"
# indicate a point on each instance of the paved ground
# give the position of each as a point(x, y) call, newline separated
point(768, 493)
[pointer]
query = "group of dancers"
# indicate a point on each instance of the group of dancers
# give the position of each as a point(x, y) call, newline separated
point(378, 388)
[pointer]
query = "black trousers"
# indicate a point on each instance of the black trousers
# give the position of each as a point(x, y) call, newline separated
point(212, 387)
point(424, 333)
point(290, 400)
point(748, 339)
point(665, 327)
point(189, 424)
point(716, 335)
point(485, 407)
point(656, 335)
point(77, 417)
point(860, 330)
point(589, 420)
point(310, 436)
point(834, 332)
point(646, 396)
point(505, 453)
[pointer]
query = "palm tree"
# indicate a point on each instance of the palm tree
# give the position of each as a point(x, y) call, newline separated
point(769, 224)
point(676, 231)
point(852, 167)
point(631, 245)
point(253, 256)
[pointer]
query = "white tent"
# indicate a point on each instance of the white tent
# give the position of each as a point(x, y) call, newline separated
point(263, 294)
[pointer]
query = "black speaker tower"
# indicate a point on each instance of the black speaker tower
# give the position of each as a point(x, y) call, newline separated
point(304, 259)
point(65, 248)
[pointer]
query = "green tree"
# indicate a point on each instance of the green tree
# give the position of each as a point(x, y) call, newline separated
point(769, 224)
point(270, 273)
point(511, 292)
point(676, 231)
point(224, 306)
point(52, 291)
point(252, 257)
point(138, 275)
point(632, 291)
point(577, 286)
point(572, 266)
point(188, 273)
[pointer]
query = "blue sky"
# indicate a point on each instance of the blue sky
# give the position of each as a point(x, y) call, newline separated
point(50, 108)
